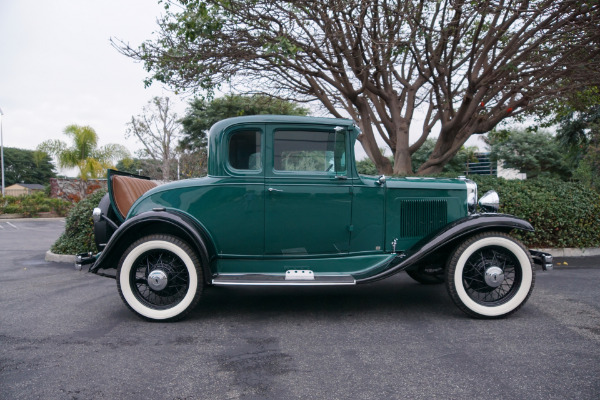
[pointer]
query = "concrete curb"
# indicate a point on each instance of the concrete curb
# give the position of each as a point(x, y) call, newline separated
point(61, 258)
point(11, 216)
point(572, 252)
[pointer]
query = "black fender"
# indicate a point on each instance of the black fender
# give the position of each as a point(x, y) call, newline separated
point(450, 234)
point(151, 222)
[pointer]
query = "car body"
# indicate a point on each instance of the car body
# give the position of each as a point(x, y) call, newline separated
point(283, 204)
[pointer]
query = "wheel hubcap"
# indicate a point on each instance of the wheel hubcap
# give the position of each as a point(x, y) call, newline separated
point(494, 276)
point(157, 280)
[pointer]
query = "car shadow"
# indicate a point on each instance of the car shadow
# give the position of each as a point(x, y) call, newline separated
point(397, 295)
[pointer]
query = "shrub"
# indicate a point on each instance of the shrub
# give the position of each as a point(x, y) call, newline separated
point(564, 214)
point(366, 167)
point(78, 236)
point(11, 209)
point(31, 205)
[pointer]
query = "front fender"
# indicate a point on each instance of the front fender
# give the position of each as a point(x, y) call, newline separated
point(151, 222)
point(450, 234)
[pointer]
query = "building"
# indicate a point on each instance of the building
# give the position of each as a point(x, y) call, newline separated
point(21, 189)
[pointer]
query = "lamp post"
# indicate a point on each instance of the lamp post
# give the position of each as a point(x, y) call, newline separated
point(2, 150)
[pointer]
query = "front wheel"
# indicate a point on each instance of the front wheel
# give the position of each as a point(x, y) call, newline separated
point(490, 275)
point(159, 278)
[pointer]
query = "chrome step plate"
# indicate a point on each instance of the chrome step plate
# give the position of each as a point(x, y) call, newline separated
point(299, 275)
point(281, 280)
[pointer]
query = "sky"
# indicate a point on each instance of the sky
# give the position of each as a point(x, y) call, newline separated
point(58, 67)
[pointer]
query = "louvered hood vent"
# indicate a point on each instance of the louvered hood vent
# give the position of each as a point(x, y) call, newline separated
point(421, 217)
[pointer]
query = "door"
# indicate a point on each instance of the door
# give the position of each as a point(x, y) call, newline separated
point(308, 198)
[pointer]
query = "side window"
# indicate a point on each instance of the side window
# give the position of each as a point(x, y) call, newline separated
point(244, 150)
point(310, 151)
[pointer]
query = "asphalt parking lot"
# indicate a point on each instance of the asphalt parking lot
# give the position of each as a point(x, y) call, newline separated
point(66, 334)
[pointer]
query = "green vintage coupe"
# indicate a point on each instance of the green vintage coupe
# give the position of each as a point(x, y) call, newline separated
point(284, 205)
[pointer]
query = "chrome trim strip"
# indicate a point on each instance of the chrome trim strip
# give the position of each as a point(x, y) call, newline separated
point(280, 280)
point(283, 283)
point(328, 275)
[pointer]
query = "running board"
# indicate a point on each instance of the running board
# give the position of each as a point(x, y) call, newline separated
point(280, 280)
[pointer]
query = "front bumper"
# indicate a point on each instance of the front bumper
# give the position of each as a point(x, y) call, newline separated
point(543, 259)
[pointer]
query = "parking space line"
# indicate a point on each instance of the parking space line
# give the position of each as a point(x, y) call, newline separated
point(1, 227)
point(8, 223)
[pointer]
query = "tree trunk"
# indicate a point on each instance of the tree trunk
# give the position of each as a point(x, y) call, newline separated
point(383, 164)
point(402, 158)
point(367, 139)
point(446, 147)
point(402, 161)
point(166, 169)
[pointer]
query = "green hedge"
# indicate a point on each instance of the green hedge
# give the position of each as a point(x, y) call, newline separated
point(564, 214)
point(31, 205)
point(78, 236)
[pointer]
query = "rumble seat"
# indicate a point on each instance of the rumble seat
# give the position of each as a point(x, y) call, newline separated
point(126, 190)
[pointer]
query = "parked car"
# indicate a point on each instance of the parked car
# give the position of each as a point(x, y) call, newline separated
point(284, 205)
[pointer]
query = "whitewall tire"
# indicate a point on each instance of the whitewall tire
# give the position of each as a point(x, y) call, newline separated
point(159, 278)
point(490, 275)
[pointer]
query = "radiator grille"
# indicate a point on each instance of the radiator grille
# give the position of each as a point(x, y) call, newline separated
point(421, 217)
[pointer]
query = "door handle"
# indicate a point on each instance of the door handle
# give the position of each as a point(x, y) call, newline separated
point(275, 190)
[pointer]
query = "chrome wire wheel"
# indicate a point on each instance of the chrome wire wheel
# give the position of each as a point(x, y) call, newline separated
point(159, 278)
point(490, 275)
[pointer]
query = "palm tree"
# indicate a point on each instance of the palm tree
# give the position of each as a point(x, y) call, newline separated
point(84, 153)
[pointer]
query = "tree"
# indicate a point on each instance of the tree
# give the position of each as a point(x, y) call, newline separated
point(458, 163)
point(142, 166)
point(84, 153)
point(193, 164)
point(579, 131)
point(202, 114)
point(535, 153)
point(157, 128)
point(456, 166)
point(27, 166)
point(462, 65)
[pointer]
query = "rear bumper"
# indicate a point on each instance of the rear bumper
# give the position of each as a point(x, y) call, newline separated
point(84, 259)
point(543, 259)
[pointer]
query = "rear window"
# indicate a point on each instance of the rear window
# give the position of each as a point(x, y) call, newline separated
point(245, 150)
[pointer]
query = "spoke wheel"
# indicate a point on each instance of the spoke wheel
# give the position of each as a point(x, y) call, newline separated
point(490, 275)
point(159, 278)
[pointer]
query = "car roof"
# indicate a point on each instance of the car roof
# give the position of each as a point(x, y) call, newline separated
point(283, 119)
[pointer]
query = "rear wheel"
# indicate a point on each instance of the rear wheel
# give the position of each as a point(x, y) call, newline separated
point(159, 278)
point(490, 275)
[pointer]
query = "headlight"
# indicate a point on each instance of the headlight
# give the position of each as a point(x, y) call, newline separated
point(490, 201)
point(471, 194)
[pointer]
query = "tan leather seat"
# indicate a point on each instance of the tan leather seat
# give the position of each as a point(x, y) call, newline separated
point(126, 190)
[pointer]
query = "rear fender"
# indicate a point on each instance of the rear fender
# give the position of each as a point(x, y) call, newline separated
point(449, 236)
point(152, 222)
